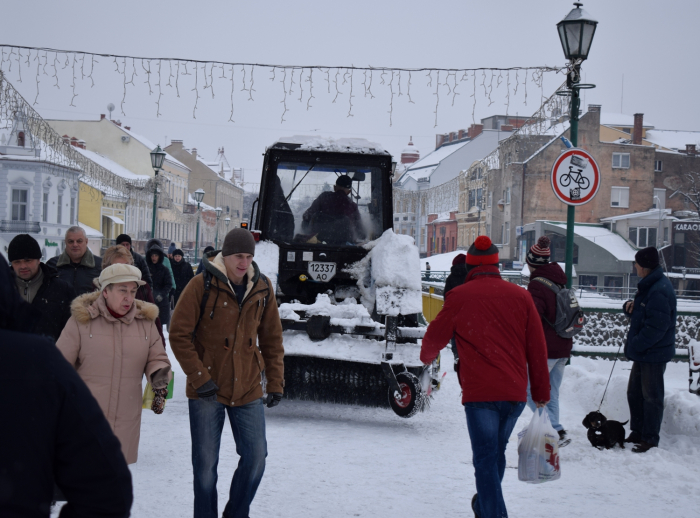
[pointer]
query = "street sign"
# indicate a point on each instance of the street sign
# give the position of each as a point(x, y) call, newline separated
point(575, 177)
point(519, 230)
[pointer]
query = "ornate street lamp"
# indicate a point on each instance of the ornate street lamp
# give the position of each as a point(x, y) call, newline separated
point(198, 197)
point(227, 222)
point(576, 32)
point(157, 158)
point(218, 212)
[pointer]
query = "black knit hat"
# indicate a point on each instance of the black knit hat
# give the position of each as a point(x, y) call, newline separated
point(178, 251)
point(23, 246)
point(539, 252)
point(344, 181)
point(647, 257)
point(123, 238)
point(238, 241)
point(482, 251)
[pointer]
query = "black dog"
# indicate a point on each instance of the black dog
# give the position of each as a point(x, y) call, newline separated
point(603, 433)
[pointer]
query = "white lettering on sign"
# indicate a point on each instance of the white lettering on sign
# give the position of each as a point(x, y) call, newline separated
point(688, 226)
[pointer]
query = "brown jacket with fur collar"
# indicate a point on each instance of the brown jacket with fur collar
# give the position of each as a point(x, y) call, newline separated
point(234, 344)
point(111, 356)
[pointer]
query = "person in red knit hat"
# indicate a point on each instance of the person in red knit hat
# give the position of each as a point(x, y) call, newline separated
point(558, 348)
point(500, 341)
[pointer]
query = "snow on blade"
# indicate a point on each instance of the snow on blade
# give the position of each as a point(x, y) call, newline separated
point(267, 257)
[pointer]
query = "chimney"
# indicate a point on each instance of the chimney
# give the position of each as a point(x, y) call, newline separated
point(66, 139)
point(690, 149)
point(102, 116)
point(637, 132)
point(506, 127)
point(118, 123)
point(127, 128)
point(594, 108)
point(475, 130)
point(74, 142)
point(81, 144)
point(194, 153)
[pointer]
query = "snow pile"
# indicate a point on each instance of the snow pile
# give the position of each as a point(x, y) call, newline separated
point(441, 262)
point(341, 145)
point(390, 275)
point(347, 313)
point(267, 257)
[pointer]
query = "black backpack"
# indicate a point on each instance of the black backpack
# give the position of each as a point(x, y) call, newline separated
point(569, 318)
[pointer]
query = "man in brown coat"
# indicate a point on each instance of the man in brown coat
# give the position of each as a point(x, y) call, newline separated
point(225, 332)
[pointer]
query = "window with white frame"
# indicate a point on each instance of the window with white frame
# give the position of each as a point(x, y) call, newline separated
point(19, 205)
point(72, 210)
point(59, 209)
point(659, 199)
point(620, 197)
point(507, 198)
point(45, 208)
point(658, 166)
point(490, 197)
point(643, 237)
point(507, 234)
point(621, 160)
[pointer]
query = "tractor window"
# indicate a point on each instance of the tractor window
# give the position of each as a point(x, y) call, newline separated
point(318, 203)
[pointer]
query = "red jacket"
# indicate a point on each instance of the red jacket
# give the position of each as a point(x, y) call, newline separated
point(499, 337)
point(546, 304)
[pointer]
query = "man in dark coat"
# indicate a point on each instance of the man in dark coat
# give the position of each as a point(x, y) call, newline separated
point(200, 268)
point(558, 348)
point(58, 434)
point(162, 282)
point(651, 344)
point(77, 265)
point(500, 342)
point(333, 217)
point(39, 285)
point(182, 272)
point(139, 260)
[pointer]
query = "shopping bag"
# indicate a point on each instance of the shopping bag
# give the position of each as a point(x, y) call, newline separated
point(538, 450)
point(170, 388)
point(148, 396)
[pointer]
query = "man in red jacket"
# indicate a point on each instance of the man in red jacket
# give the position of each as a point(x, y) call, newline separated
point(558, 348)
point(499, 339)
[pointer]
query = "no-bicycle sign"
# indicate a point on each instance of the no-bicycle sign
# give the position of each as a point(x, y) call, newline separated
point(575, 177)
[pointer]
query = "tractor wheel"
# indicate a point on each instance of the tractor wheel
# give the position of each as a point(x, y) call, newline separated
point(408, 402)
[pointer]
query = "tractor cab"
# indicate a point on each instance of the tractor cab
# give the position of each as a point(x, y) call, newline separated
point(320, 201)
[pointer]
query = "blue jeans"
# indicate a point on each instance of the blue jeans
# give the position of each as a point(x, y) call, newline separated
point(248, 426)
point(490, 425)
point(645, 396)
point(556, 374)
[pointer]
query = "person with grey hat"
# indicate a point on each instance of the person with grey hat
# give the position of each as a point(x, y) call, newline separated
point(651, 344)
point(139, 260)
point(225, 333)
point(112, 341)
point(333, 217)
point(40, 285)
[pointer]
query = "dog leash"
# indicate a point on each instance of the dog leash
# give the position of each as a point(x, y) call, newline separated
point(614, 362)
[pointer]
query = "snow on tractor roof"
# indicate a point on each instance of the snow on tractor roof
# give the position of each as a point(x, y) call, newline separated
point(331, 145)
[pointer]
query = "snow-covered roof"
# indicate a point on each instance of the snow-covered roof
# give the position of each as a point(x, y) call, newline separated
point(341, 145)
point(111, 165)
point(653, 213)
point(604, 238)
point(192, 201)
point(426, 165)
point(672, 139)
point(621, 120)
point(89, 231)
point(150, 145)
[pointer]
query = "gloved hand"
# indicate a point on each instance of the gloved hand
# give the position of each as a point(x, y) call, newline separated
point(159, 400)
point(273, 399)
point(159, 298)
point(207, 392)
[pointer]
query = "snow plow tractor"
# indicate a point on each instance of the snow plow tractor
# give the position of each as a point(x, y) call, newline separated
point(348, 288)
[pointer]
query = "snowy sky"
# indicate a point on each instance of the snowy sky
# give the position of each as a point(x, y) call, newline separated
point(634, 38)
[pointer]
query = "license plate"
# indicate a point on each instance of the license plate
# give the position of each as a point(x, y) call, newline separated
point(321, 272)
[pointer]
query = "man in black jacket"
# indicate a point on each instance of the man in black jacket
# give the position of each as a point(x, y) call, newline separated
point(139, 260)
point(39, 285)
point(57, 433)
point(77, 265)
point(182, 272)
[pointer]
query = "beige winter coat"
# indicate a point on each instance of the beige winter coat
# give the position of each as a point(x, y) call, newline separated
point(111, 356)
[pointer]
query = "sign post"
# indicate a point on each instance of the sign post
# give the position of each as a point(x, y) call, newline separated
point(575, 181)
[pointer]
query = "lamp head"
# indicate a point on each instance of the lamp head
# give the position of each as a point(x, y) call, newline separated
point(198, 195)
point(157, 158)
point(218, 211)
point(576, 32)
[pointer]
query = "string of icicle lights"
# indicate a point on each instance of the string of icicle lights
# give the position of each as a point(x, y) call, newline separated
point(236, 82)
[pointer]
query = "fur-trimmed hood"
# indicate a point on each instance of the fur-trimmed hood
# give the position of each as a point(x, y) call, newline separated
point(92, 305)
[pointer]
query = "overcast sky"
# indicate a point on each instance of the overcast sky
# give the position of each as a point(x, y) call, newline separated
point(652, 44)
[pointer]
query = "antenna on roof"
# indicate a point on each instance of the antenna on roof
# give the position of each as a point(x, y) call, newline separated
point(110, 109)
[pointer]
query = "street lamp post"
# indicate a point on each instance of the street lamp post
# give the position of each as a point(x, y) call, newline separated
point(198, 197)
point(218, 211)
point(576, 32)
point(227, 222)
point(157, 157)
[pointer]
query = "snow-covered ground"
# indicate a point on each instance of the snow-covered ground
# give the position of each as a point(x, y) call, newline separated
point(335, 461)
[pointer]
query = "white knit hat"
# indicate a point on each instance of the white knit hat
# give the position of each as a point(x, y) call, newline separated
point(118, 273)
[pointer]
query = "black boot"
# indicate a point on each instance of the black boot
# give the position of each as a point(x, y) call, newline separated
point(634, 437)
point(642, 447)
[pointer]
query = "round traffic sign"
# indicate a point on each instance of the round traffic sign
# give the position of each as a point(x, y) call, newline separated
point(575, 177)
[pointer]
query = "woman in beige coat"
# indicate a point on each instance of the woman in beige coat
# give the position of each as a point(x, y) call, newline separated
point(112, 341)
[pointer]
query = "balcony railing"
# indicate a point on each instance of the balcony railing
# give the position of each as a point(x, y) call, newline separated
point(25, 227)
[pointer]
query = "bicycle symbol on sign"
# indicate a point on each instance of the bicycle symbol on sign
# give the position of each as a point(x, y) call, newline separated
point(576, 167)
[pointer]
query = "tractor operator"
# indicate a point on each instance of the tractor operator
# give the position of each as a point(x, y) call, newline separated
point(333, 217)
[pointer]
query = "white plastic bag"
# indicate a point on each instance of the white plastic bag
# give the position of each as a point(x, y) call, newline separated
point(538, 450)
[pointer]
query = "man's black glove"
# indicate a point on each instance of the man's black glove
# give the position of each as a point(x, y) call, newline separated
point(273, 399)
point(207, 392)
